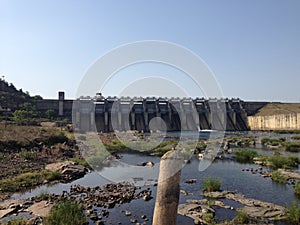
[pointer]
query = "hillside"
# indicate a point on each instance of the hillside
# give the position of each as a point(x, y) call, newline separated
point(11, 98)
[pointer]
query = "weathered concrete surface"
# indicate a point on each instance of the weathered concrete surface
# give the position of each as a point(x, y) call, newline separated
point(168, 190)
point(289, 121)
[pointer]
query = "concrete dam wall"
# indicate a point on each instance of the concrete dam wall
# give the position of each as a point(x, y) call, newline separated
point(289, 121)
point(146, 114)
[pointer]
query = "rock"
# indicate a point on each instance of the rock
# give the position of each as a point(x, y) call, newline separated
point(290, 174)
point(5, 212)
point(253, 207)
point(143, 217)
point(68, 169)
point(190, 181)
point(127, 213)
point(133, 220)
point(41, 208)
point(150, 164)
point(184, 192)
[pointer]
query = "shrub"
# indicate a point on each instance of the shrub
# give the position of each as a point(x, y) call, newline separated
point(245, 155)
point(17, 222)
point(295, 137)
point(297, 189)
point(278, 177)
point(28, 155)
point(242, 217)
point(211, 184)
point(66, 212)
point(293, 214)
point(44, 195)
point(208, 218)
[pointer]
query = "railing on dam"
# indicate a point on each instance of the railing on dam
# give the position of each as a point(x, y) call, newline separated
point(170, 114)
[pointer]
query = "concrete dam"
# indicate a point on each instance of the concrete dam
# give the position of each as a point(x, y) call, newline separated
point(168, 114)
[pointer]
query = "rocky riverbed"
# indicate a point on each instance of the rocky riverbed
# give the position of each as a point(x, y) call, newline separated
point(96, 201)
point(260, 212)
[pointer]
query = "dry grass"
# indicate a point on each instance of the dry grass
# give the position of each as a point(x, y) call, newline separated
point(25, 133)
point(278, 108)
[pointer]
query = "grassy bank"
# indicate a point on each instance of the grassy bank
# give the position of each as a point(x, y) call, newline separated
point(27, 180)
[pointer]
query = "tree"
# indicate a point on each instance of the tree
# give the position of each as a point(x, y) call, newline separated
point(37, 97)
point(50, 114)
point(21, 117)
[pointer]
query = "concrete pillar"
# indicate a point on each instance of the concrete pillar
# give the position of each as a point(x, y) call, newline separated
point(61, 98)
point(146, 121)
point(119, 122)
point(92, 120)
point(167, 197)
point(132, 125)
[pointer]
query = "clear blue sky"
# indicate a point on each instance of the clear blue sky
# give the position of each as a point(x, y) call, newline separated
point(253, 47)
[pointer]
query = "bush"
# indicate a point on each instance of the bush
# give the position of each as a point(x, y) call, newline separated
point(28, 155)
point(278, 177)
point(242, 217)
point(245, 155)
point(293, 214)
point(208, 218)
point(44, 195)
point(297, 189)
point(66, 212)
point(211, 184)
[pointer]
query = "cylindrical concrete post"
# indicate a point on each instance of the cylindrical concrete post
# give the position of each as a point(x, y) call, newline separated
point(168, 190)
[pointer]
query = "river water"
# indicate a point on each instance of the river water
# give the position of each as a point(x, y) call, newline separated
point(229, 172)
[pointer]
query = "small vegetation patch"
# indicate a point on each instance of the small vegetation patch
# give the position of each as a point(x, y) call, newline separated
point(297, 189)
point(242, 217)
point(245, 155)
point(26, 154)
point(293, 213)
point(278, 177)
point(66, 212)
point(79, 161)
point(278, 161)
point(17, 222)
point(211, 184)
point(287, 131)
point(208, 218)
point(292, 146)
point(272, 141)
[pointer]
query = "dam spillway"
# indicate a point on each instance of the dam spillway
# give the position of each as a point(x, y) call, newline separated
point(170, 114)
